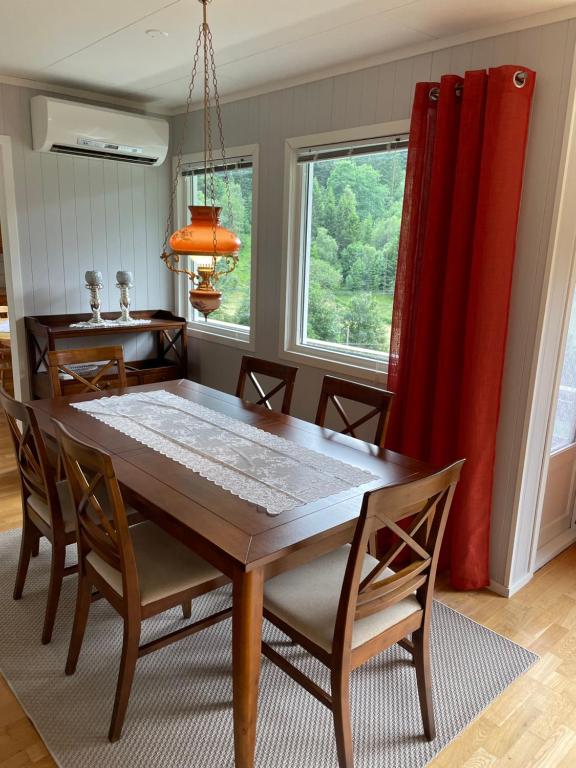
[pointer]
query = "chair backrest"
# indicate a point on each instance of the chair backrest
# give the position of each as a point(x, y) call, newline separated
point(37, 475)
point(108, 358)
point(427, 503)
point(285, 373)
point(380, 401)
point(101, 521)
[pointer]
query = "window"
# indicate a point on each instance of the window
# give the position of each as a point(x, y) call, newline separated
point(347, 206)
point(234, 318)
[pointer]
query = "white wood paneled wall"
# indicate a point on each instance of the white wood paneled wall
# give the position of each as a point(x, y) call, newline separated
point(381, 94)
point(76, 214)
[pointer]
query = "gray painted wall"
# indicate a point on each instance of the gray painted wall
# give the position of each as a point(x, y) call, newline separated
point(76, 214)
point(381, 94)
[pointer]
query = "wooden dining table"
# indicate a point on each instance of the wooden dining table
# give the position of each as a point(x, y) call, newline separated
point(238, 537)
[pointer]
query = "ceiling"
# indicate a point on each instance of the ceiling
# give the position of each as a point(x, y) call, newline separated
point(102, 45)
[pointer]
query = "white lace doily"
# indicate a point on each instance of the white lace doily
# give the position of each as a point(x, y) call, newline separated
point(257, 466)
point(109, 324)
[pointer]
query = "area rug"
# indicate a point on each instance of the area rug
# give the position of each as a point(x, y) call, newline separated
point(180, 712)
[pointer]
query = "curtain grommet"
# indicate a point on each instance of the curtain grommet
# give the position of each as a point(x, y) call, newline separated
point(434, 93)
point(520, 78)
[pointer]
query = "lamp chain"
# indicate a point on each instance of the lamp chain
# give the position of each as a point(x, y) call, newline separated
point(222, 150)
point(179, 152)
point(205, 42)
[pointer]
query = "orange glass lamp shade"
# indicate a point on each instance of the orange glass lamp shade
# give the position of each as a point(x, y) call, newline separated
point(197, 240)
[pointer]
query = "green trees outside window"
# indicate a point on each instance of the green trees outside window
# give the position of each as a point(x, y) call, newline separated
point(351, 251)
point(354, 228)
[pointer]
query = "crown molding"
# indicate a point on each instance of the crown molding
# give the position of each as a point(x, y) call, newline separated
point(526, 22)
point(516, 25)
point(98, 96)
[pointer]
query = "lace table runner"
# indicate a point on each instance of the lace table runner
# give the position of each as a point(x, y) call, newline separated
point(261, 468)
point(109, 324)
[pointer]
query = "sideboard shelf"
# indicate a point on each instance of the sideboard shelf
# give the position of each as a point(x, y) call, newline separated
point(47, 332)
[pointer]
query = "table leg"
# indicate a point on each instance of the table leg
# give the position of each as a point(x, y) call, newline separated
point(246, 644)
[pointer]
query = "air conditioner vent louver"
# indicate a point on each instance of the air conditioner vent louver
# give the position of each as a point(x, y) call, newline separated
point(75, 128)
point(79, 151)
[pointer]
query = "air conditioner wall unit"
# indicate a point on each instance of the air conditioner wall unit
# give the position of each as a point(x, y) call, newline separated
point(73, 128)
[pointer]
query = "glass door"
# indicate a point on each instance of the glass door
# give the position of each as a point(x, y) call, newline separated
point(558, 518)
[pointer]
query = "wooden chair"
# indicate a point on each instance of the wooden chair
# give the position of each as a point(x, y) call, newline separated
point(5, 365)
point(379, 399)
point(286, 373)
point(348, 606)
point(46, 505)
point(141, 571)
point(59, 361)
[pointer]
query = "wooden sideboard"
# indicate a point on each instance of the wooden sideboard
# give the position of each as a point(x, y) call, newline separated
point(46, 332)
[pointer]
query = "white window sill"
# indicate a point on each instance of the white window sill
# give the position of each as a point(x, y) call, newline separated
point(233, 336)
point(374, 370)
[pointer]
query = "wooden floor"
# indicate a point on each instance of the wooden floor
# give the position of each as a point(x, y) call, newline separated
point(532, 724)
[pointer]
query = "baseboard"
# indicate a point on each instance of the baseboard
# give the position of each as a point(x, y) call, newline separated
point(511, 590)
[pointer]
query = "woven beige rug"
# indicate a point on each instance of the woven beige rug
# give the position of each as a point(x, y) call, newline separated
point(180, 712)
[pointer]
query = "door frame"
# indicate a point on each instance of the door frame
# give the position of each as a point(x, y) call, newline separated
point(12, 267)
point(561, 319)
point(554, 319)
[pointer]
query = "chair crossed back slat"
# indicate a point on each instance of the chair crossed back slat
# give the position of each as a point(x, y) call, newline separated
point(380, 400)
point(109, 358)
point(35, 471)
point(251, 366)
point(101, 518)
point(426, 502)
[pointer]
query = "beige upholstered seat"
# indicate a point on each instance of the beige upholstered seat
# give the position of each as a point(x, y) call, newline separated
point(165, 566)
point(307, 599)
point(66, 505)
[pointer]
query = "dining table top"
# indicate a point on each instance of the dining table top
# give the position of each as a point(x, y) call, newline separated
point(189, 505)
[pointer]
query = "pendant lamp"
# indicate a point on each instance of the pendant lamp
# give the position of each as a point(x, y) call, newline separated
point(204, 249)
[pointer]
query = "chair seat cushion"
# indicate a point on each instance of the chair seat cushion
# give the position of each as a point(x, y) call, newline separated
point(165, 566)
point(306, 598)
point(39, 506)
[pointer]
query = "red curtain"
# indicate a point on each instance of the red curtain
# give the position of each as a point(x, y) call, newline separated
point(455, 262)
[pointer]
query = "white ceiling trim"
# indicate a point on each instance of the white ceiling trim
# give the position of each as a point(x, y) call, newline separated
point(514, 25)
point(79, 93)
point(526, 22)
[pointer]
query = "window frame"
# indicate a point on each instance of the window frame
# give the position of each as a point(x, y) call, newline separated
point(222, 333)
point(325, 355)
